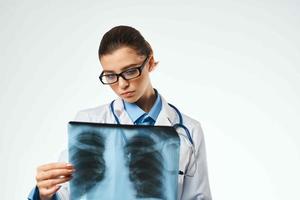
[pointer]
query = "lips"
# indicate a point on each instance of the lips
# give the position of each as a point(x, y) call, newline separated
point(127, 94)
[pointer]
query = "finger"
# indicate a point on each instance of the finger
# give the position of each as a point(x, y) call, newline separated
point(56, 165)
point(52, 182)
point(52, 174)
point(49, 192)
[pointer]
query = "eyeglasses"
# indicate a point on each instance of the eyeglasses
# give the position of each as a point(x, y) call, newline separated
point(131, 73)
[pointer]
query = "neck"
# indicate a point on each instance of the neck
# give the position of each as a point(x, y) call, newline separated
point(147, 100)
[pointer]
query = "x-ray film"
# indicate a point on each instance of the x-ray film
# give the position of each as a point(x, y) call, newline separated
point(123, 162)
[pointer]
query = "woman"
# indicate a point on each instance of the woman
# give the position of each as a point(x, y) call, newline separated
point(127, 61)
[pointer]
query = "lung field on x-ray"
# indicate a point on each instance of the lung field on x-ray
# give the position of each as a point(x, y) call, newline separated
point(87, 156)
point(145, 167)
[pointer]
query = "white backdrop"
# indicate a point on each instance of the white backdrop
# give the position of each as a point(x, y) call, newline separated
point(232, 65)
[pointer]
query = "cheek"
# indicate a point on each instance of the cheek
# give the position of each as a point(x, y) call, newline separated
point(141, 83)
point(114, 87)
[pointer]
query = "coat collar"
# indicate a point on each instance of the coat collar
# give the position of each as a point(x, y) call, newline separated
point(166, 117)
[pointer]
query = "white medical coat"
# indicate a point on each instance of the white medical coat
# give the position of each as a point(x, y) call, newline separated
point(192, 158)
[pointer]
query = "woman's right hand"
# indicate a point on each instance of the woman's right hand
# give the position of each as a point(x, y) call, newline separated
point(50, 176)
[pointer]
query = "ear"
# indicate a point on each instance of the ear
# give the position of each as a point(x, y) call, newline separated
point(152, 64)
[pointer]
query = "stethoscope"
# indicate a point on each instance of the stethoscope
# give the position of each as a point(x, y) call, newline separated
point(176, 125)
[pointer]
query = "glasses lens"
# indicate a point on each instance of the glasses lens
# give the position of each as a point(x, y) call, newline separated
point(131, 73)
point(109, 78)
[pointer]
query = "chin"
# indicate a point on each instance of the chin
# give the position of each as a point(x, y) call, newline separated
point(130, 100)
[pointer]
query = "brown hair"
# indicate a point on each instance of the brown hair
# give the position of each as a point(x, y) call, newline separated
point(123, 36)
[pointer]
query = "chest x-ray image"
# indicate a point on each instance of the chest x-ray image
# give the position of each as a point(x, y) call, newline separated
point(127, 162)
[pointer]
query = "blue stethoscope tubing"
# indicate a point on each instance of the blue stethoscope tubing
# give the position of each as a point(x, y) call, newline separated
point(177, 125)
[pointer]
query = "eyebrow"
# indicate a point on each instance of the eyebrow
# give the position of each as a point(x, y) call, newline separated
point(124, 68)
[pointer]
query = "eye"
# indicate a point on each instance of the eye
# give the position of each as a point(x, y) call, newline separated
point(110, 76)
point(131, 72)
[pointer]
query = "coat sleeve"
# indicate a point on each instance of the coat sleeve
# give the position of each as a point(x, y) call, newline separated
point(196, 187)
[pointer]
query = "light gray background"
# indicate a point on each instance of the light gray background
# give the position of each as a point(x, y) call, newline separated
point(232, 65)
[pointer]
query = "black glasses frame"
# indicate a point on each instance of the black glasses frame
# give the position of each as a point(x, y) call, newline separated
point(140, 69)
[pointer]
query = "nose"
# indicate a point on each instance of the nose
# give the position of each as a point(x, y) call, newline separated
point(123, 83)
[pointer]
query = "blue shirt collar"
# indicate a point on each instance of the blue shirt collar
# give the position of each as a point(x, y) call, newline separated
point(136, 113)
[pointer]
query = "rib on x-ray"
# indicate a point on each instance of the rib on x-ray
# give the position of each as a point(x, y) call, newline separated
point(145, 167)
point(88, 151)
point(127, 162)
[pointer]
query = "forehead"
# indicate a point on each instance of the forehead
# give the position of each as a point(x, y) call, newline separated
point(120, 59)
